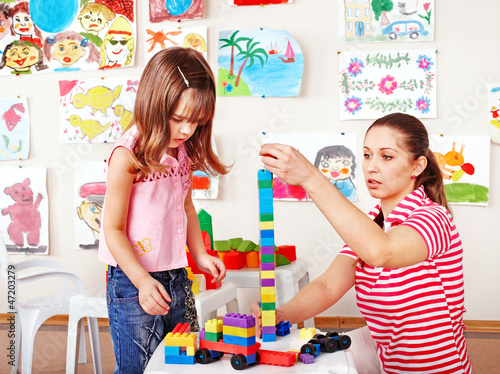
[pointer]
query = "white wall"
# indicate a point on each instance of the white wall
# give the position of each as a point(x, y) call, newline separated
point(467, 40)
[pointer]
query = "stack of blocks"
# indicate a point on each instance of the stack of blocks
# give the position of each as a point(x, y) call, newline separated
point(267, 261)
point(180, 345)
point(238, 329)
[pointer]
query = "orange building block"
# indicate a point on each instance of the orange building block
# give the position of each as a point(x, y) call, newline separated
point(252, 259)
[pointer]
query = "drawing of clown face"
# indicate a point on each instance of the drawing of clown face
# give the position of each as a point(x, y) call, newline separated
point(23, 25)
point(22, 57)
point(93, 22)
point(336, 168)
point(68, 52)
point(5, 23)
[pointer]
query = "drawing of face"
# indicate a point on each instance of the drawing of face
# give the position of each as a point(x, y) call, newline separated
point(116, 49)
point(93, 22)
point(90, 213)
point(194, 42)
point(22, 57)
point(336, 168)
point(23, 25)
point(68, 52)
point(5, 23)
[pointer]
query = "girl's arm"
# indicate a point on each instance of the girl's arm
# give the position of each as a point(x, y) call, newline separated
point(152, 295)
point(206, 263)
point(317, 296)
point(401, 246)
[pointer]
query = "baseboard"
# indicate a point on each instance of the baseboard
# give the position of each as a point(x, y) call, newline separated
point(319, 322)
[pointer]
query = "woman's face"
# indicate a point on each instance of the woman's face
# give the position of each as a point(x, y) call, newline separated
point(336, 168)
point(387, 167)
point(21, 57)
point(117, 49)
point(23, 25)
point(68, 52)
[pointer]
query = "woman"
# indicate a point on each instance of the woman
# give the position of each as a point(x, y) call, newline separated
point(404, 258)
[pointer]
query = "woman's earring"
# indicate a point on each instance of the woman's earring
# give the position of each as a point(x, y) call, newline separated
point(413, 177)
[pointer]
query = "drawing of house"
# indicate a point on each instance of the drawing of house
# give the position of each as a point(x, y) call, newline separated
point(358, 18)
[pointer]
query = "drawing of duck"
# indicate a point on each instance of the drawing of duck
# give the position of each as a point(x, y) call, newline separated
point(88, 127)
point(125, 115)
point(98, 98)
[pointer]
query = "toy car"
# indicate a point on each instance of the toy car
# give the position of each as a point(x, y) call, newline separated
point(330, 342)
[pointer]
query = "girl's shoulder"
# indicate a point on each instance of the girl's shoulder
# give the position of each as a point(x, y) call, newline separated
point(127, 139)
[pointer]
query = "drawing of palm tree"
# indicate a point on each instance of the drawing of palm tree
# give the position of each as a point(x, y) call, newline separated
point(232, 42)
point(251, 54)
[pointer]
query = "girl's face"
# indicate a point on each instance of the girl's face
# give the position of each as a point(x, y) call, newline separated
point(116, 49)
point(21, 57)
point(93, 21)
point(180, 129)
point(23, 25)
point(387, 167)
point(336, 168)
point(68, 52)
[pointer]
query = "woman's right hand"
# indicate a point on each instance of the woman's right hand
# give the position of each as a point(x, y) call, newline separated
point(256, 311)
point(153, 297)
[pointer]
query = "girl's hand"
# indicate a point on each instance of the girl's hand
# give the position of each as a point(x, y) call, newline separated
point(153, 297)
point(211, 265)
point(287, 163)
point(256, 311)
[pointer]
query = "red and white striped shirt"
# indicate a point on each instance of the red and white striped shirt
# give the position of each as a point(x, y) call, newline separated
point(415, 313)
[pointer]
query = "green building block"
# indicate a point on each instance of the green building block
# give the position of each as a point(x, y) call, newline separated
point(222, 245)
point(282, 260)
point(205, 220)
point(247, 246)
point(235, 243)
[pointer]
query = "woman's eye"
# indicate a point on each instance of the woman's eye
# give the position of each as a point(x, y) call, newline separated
point(366, 155)
point(387, 157)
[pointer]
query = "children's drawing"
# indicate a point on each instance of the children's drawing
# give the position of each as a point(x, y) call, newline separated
point(175, 10)
point(494, 108)
point(257, 2)
point(24, 208)
point(465, 163)
point(374, 83)
point(259, 63)
point(385, 20)
point(51, 35)
point(205, 186)
point(96, 110)
point(159, 37)
point(14, 128)
point(90, 189)
point(332, 154)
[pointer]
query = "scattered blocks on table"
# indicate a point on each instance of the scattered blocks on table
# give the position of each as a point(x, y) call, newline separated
point(277, 358)
point(283, 328)
point(307, 333)
point(306, 358)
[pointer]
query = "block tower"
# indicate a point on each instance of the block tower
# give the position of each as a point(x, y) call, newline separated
point(267, 257)
point(180, 345)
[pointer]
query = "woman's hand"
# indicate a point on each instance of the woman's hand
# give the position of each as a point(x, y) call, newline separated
point(287, 163)
point(153, 297)
point(256, 311)
point(211, 265)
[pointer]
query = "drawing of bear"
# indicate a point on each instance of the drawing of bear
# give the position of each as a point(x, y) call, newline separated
point(24, 214)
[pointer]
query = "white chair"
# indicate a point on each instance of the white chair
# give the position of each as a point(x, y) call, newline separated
point(31, 314)
point(209, 301)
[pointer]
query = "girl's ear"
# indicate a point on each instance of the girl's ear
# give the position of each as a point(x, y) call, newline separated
point(420, 165)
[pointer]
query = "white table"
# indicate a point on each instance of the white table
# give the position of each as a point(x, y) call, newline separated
point(289, 280)
point(340, 362)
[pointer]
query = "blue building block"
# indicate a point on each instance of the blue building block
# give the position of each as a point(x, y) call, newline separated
point(283, 328)
point(182, 359)
point(264, 175)
point(268, 337)
point(265, 209)
point(267, 234)
point(173, 350)
point(265, 192)
point(267, 242)
point(239, 340)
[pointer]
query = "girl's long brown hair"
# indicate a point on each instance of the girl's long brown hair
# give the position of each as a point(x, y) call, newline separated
point(413, 137)
point(158, 95)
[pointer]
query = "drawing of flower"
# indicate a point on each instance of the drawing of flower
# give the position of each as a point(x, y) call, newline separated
point(229, 87)
point(423, 104)
point(424, 62)
point(353, 104)
point(132, 85)
point(224, 84)
point(355, 67)
point(428, 12)
point(387, 85)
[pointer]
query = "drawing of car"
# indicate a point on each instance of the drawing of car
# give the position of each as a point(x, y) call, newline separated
point(201, 182)
point(411, 28)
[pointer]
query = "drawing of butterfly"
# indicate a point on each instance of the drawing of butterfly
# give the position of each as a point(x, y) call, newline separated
point(143, 246)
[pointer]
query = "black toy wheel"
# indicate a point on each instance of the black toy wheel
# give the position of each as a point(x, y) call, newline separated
point(314, 341)
point(344, 341)
point(332, 334)
point(330, 345)
point(203, 356)
point(308, 348)
point(238, 362)
point(318, 336)
point(257, 358)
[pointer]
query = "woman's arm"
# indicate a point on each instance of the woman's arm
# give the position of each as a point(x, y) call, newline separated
point(152, 295)
point(206, 263)
point(401, 246)
point(316, 296)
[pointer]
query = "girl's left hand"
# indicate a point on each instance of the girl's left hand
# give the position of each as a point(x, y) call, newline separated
point(211, 265)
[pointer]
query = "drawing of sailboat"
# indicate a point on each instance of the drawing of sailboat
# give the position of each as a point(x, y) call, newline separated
point(289, 54)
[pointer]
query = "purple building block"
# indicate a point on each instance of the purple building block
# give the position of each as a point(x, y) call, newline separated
point(268, 330)
point(238, 320)
point(267, 282)
point(306, 358)
point(267, 266)
point(267, 250)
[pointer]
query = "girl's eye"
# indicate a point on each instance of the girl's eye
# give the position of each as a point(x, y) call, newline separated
point(324, 164)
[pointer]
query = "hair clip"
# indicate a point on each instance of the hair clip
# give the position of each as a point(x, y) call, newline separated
point(51, 40)
point(183, 77)
point(84, 42)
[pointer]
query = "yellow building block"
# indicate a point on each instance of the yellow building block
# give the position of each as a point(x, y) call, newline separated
point(296, 352)
point(269, 225)
point(239, 331)
point(267, 274)
point(271, 298)
point(269, 321)
point(190, 351)
point(213, 325)
point(307, 333)
point(269, 314)
point(180, 340)
point(267, 291)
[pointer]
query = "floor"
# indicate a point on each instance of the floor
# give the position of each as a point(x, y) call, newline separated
point(50, 351)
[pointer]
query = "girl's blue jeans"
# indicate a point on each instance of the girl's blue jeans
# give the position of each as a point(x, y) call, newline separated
point(136, 334)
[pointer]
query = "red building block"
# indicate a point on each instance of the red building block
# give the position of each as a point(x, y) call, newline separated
point(208, 277)
point(276, 358)
point(233, 259)
point(288, 251)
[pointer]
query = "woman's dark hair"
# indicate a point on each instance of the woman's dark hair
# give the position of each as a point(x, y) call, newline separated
point(413, 137)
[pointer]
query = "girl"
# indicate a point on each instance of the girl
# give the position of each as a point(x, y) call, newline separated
point(404, 258)
point(148, 214)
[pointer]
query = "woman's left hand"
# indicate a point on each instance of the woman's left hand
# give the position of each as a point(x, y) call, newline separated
point(211, 265)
